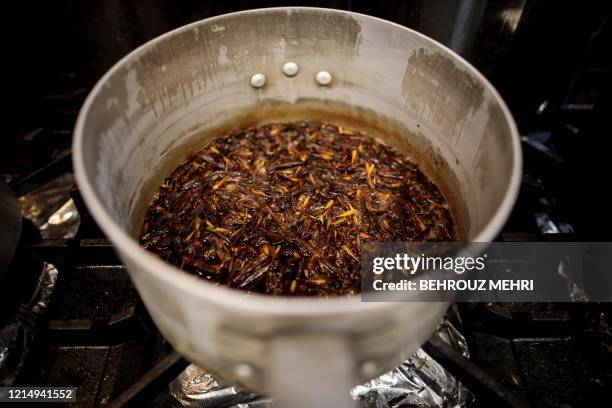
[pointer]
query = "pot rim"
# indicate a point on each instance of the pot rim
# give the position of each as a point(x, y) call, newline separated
point(234, 298)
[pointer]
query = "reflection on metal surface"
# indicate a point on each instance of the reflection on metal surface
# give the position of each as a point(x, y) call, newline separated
point(510, 15)
point(194, 387)
point(545, 224)
point(51, 209)
point(576, 293)
point(496, 35)
point(418, 382)
point(17, 336)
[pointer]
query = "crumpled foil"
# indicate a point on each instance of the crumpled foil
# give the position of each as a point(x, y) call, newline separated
point(51, 209)
point(418, 382)
point(195, 387)
point(575, 292)
point(17, 336)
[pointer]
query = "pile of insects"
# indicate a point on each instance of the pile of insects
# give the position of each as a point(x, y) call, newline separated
point(282, 209)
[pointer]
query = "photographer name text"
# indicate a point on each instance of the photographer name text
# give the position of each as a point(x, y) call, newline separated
point(455, 285)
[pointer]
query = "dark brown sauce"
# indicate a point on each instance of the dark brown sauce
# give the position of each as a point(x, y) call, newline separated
point(282, 209)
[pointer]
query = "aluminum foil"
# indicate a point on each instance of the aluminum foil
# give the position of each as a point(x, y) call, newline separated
point(17, 336)
point(576, 293)
point(51, 209)
point(418, 382)
point(195, 387)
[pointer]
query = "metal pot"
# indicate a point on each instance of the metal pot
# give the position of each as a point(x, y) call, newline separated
point(175, 93)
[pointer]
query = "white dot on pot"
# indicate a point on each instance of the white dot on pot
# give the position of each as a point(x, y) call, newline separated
point(258, 80)
point(323, 78)
point(290, 69)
